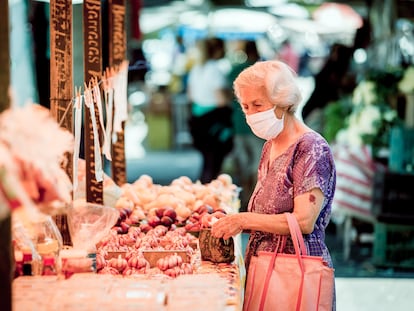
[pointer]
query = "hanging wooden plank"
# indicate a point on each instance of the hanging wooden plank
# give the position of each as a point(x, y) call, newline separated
point(61, 76)
point(4, 57)
point(117, 54)
point(6, 253)
point(61, 82)
point(92, 33)
point(117, 32)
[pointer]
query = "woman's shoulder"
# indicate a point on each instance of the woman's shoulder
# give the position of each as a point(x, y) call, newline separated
point(312, 143)
point(305, 142)
point(312, 137)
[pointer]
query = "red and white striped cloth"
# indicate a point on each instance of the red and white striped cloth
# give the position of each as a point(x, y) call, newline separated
point(355, 170)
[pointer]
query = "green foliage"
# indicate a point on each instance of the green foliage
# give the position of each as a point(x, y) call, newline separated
point(368, 114)
point(386, 80)
point(335, 114)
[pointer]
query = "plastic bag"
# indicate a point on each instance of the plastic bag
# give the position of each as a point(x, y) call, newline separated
point(89, 223)
point(38, 236)
point(31, 230)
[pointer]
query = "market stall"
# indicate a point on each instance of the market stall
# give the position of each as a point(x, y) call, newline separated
point(145, 233)
point(103, 292)
point(373, 151)
point(151, 249)
point(95, 239)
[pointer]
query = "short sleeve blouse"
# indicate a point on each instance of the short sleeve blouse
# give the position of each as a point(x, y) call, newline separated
point(306, 164)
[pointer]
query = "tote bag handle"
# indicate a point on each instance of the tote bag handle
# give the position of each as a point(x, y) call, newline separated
point(296, 235)
point(300, 249)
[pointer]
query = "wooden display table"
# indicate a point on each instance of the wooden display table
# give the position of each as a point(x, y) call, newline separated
point(210, 283)
point(89, 291)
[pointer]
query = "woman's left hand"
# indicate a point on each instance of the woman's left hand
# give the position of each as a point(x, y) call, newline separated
point(228, 226)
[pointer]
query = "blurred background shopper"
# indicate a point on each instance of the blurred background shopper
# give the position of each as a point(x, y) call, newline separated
point(209, 95)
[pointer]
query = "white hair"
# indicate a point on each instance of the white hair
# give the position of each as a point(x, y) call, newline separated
point(273, 79)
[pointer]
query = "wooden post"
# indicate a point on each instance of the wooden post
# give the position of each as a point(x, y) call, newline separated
point(6, 267)
point(61, 82)
point(117, 54)
point(61, 76)
point(92, 33)
point(6, 250)
point(4, 57)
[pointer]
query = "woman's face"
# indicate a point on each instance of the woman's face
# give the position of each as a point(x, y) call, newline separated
point(251, 102)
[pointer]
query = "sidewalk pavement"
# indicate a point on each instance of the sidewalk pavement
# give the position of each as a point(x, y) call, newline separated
point(374, 294)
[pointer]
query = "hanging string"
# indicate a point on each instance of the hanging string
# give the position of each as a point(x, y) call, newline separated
point(66, 112)
point(138, 65)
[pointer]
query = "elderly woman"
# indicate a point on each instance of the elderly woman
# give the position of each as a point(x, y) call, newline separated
point(296, 173)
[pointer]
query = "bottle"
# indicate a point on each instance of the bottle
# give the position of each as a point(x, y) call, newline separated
point(49, 267)
point(48, 248)
point(18, 261)
point(27, 264)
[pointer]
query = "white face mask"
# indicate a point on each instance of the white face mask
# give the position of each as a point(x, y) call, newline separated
point(265, 124)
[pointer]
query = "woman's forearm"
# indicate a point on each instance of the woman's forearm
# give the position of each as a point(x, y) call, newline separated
point(263, 222)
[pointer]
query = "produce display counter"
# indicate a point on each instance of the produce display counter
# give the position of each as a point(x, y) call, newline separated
point(217, 286)
point(149, 247)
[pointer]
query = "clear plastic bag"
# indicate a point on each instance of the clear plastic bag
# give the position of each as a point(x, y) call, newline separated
point(38, 236)
point(89, 223)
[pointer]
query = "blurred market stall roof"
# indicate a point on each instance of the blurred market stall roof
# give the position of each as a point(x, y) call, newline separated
point(264, 3)
point(289, 10)
point(154, 19)
point(337, 17)
point(330, 22)
point(227, 23)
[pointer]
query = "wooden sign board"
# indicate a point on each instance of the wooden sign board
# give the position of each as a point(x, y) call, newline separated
point(6, 247)
point(61, 82)
point(117, 54)
point(4, 57)
point(61, 77)
point(92, 33)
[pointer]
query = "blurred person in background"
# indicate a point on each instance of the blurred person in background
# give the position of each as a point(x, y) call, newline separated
point(336, 79)
point(288, 55)
point(330, 84)
point(247, 146)
point(209, 95)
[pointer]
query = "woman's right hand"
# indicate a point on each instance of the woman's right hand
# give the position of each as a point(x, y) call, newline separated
point(228, 226)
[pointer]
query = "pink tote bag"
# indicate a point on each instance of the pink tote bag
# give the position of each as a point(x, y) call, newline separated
point(289, 282)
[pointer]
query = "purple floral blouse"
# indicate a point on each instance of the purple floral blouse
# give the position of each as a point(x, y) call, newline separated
point(306, 164)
